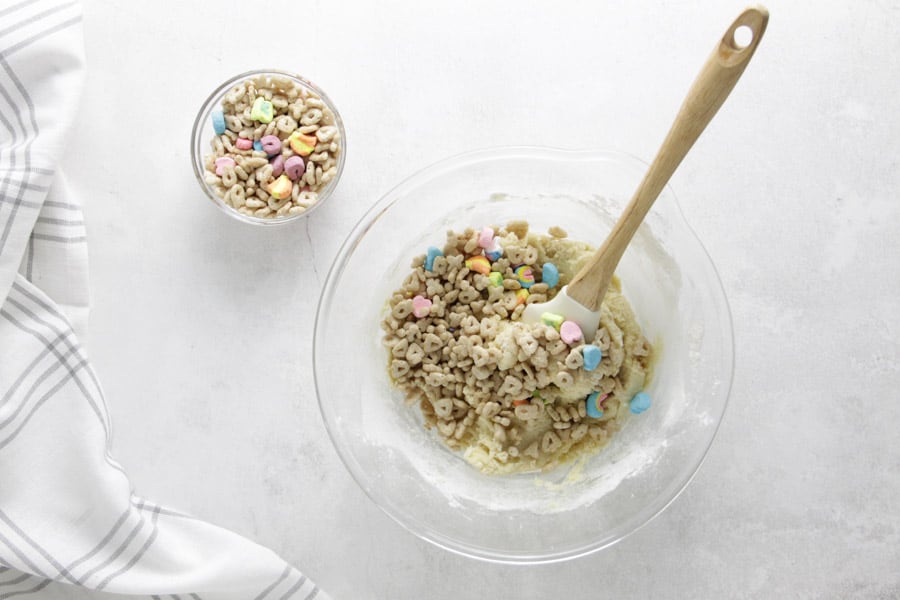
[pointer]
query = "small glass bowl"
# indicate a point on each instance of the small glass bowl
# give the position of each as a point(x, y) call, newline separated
point(202, 133)
point(576, 508)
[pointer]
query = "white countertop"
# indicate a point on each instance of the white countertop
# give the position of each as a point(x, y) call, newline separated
point(793, 190)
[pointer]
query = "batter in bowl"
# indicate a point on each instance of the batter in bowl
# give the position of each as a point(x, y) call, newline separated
point(511, 396)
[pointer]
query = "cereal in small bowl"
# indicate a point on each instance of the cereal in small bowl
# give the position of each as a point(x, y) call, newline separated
point(268, 147)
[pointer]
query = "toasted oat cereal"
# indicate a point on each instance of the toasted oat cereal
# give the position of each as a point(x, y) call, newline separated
point(511, 396)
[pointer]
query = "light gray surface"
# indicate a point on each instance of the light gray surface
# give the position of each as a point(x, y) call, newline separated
point(793, 190)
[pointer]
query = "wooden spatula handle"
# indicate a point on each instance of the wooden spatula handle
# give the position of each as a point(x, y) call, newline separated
point(715, 81)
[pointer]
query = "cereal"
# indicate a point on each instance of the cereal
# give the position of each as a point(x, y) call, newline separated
point(287, 127)
point(520, 393)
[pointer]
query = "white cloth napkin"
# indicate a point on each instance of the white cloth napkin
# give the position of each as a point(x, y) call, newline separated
point(68, 515)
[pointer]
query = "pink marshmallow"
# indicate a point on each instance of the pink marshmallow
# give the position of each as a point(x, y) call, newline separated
point(570, 332)
point(486, 238)
point(421, 306)
point(222, 162)
point(243, 143)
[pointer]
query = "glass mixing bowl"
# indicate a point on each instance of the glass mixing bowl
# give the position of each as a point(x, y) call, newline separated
point(202, 134)
point(577, 508)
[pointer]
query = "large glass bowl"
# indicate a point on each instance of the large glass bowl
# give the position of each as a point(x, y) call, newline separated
point(578, 508)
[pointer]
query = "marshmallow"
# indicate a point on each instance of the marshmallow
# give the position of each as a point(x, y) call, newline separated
point(421, 306)
point(270, 144)
point(592, 405)
point(552, 319)
point(495, 251)
point(294, 167)
point(281, 188)
point(222, 162)
point(218, 121)
point(570, 332)
point(302, 144)
point(479, 264)
point(550, 275)
point(262, 110)
point(277, 163)
point(486, 239)
point(431, 254)
point(592, 356)
point(243, 143)
point(525, 276)
point(639, 403)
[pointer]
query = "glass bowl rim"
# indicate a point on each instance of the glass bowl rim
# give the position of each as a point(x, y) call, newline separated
point(345, 252)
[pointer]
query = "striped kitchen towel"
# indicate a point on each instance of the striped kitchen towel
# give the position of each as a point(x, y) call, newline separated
point(70, 523)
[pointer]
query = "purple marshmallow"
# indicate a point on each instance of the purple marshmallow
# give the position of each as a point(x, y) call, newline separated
point(294, 167)
point(277, 165)
point(271, 144)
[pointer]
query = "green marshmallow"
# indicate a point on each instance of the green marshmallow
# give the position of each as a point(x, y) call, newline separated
point(262, 110)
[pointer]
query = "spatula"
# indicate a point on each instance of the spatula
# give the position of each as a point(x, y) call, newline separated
point(580, 300)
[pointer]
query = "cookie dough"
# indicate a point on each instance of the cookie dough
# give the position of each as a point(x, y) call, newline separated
point(511, 396)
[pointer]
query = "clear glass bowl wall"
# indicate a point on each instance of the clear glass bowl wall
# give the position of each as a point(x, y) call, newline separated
point(573, 510)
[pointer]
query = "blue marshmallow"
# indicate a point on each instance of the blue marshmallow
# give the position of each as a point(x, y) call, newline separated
point(639, 403)
point(218, 122)
point(592, 357)
point(592, 406)
point(431, 254)
point(495, 251)
point(550, 275)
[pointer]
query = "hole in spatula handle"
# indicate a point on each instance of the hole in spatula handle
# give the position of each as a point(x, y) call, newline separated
point(742, 37)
